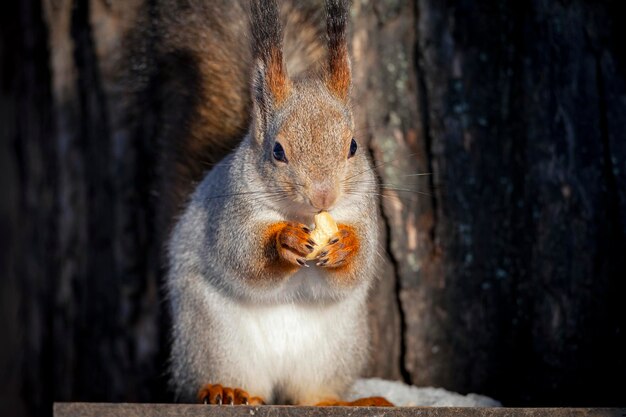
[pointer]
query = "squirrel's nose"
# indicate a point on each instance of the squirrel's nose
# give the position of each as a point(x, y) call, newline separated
point(323, 195)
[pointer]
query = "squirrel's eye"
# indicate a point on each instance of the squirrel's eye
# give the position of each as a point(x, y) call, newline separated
point(352, 148)
point(279, 153)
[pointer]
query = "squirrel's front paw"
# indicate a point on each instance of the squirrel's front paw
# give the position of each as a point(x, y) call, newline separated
point(219, 395)
point(339, 249)
point(293, 243)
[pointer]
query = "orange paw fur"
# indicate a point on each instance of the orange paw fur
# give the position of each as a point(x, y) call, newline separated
point(219, 395)
point(361, 402)
point(340, 250)
point(293, 242)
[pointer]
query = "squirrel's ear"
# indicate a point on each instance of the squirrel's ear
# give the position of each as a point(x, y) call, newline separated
point(269, 91)
point(339, 77)
point(270, 83)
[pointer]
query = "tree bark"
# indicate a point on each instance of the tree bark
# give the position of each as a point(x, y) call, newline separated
point(84, 268)
point(527, 151)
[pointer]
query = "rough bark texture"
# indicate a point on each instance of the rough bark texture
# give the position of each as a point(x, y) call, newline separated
point(504, 269)
point(528, 159)
point(81, 281)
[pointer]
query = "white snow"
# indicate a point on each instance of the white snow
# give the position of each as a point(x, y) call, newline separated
point(407, 395)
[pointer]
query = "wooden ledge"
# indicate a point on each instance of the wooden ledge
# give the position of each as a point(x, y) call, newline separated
point(186, 410)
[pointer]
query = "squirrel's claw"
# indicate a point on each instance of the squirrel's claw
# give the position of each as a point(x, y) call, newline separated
point(339, 249)
point(217, 394)
point(293, 242)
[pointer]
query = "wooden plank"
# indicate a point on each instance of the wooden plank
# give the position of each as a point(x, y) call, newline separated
point(178, 410)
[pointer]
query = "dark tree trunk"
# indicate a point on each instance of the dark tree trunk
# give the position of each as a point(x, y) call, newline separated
point(82, 270)
point(498, 132)
point(522, 111)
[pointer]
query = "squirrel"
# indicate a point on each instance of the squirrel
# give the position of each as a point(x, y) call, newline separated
point(253, 321)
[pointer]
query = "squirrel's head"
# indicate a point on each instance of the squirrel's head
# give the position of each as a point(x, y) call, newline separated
point(303, 129)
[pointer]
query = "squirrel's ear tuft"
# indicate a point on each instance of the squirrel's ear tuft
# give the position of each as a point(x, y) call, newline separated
point(270, 83)
point(339, 74)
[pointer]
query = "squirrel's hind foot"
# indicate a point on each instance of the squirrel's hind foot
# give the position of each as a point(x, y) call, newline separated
point(216, 394)
point(361, 402)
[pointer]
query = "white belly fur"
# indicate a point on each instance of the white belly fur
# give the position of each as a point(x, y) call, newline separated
point(291, 350)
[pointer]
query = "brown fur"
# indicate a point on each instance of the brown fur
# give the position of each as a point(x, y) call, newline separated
point(339, 78)
point(339, 75)
point(277, 80)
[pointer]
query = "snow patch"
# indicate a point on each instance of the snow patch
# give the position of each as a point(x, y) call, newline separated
point(404, 395)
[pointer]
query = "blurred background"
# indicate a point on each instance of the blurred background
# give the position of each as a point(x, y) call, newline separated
point(505, 265)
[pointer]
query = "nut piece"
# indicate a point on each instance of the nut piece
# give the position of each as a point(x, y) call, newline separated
point(325, 229)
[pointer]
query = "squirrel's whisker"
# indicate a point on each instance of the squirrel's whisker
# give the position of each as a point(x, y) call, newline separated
point(388, 196)
point(377, 165)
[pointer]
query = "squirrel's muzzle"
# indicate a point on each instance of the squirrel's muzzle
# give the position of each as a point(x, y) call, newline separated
point(323, 194)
